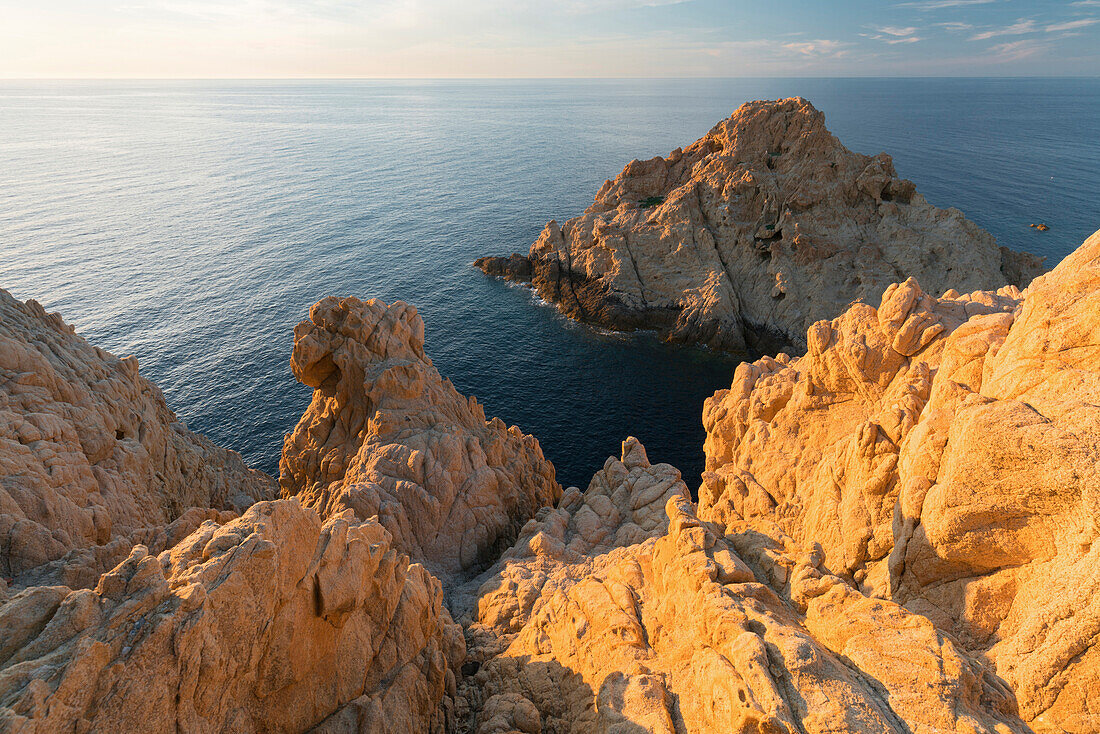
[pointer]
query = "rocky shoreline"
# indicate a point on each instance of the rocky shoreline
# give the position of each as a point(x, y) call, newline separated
point(896, 532)
point(747, 237)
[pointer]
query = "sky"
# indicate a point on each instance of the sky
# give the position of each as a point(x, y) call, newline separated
point(546, 38)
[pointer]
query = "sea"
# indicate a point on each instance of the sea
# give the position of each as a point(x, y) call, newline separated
point(193, 223)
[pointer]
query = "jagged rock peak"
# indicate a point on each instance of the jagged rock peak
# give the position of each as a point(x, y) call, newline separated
point(754, 232)
point(386, 435)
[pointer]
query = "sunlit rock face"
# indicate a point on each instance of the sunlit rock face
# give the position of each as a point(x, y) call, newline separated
point(676, 627)
point(943, 452)
point(896, 533)
point(271, 622)
point(386, 435)
point(757, 230)
point(92, 460)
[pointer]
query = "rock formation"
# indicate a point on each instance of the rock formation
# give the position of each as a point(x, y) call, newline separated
point(762, 227)
point(674, 628)
point(943, 452)
point(92, 460)
point(385, 435)
point(269, 623)
point(896, 532)
point(136, 599)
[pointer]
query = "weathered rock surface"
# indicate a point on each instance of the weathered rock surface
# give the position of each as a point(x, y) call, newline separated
point(944, 453)
point(897, 532)
point(91, 457)
point(762, 227)
point(674, 628)
point(386, 435)
point(272, 622)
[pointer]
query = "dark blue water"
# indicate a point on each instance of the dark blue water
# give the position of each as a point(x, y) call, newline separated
point(193, 224)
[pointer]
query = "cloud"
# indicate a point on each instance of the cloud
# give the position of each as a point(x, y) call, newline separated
point(957, 27)
point(1018, 28)
point(893, 34)
point(1015, 50)
point(819, 48)
point(1072, 25)
point(1086, 4)
point(1023, 27)
point(895, 31)
point(943, 4)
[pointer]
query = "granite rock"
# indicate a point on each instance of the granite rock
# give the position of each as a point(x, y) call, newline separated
point(757, 230)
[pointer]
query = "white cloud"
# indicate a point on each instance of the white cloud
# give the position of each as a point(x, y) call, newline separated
point(942, 4)
point(893, 34)
point(1018, 28)
point(1072, 25)
point(1023, 27)
point(818, 47)
point(895, 31)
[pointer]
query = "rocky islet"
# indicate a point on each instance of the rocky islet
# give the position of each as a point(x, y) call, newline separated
point(750, 235)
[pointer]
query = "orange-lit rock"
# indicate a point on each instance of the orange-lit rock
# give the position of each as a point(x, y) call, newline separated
point(386, 435)
point(679, 629)
point(943, 452)
point(272, 622)
point(91, 458)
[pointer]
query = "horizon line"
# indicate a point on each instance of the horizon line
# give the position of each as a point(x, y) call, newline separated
point(523, 78)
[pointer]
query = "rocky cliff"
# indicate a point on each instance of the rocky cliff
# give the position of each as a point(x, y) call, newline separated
point(136, 598)
point(942, 453)
point(675, 627)
point(92, 460)
point(896, 532)
point(757, 230)
point(272, 622)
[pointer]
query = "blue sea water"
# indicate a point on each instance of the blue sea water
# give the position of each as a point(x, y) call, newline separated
point(192, 224)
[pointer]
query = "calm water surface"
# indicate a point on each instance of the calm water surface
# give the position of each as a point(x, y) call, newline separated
point(193, 224)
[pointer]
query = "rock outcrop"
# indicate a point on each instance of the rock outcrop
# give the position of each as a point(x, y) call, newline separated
point(762, 227)
point(386, 435)
point(272, 622)
point(92, 460)
point(135, 598)
point(944, 453)
point(674, 628)
point(897, 532)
